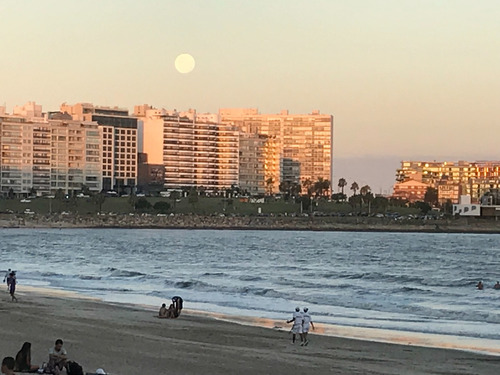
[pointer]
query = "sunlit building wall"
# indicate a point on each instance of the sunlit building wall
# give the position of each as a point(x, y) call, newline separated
point(453, 179)
point(41, 155)
point(119, 146)
point(303, 142)
point(195, 148)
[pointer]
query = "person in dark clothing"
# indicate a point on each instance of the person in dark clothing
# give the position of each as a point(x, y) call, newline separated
point(177, 302)
point(23, 359)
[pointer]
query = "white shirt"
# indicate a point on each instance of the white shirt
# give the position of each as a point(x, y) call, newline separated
point(298, 318)
point(60, 352)
point(307, 319)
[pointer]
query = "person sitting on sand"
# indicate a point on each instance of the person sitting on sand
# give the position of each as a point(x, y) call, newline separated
point(163, 311)
point(8, 364)
point(23, 359)
point(497, 285)
point(57, 358)
point(297, 325)
point(171, 312)
point(480, 285)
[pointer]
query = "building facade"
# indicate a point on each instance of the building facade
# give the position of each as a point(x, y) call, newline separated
point(301, 147)
point(453, 179)
point(119, 143)
point(196, 150)
point(44, 153)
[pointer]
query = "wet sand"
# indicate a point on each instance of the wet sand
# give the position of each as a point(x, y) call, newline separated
point(127, 339)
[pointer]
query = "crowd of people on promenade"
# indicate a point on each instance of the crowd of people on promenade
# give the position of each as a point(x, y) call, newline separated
point(302, 322)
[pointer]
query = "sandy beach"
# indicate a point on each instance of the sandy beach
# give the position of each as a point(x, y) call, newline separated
point(127, 339)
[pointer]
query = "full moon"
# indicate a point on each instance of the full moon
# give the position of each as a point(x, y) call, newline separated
point(184, 63)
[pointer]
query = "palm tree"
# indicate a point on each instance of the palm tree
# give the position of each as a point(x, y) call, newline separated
point(365, 190)
point(308, 185)
point(354, 187)
point(342, 184)
point(269, 185)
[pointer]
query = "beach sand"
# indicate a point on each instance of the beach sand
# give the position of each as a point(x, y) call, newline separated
point(127, 340)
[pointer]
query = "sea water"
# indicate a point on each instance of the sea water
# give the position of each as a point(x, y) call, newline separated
point(416, 282)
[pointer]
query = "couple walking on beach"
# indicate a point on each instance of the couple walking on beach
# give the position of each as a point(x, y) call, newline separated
point(302, 322)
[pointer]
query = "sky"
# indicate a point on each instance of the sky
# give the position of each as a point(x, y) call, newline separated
point(404, 79)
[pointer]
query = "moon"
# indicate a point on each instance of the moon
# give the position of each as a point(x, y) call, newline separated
point(184, 63)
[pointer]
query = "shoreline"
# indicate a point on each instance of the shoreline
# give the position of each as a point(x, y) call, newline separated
point(265, 223)
point(127, 339)
point(376, 335)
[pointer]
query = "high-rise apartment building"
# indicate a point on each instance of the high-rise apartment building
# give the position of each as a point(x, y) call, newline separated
point(44, 153)
point(119, 143)
point(452, 179)
point(196, 149)
point(301, 147)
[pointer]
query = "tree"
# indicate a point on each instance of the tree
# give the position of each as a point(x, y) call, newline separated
point(174, 195)
point(11, 194)
point(32, 191)
point(342, 184)
point(85, 190)
point(339, 197)
point(365, 190)
point(193, 197)
point(304, 201)
point(354, 187)
point(307, 184)
point(60, 195)
point(355, 200)
point(99, 199)
point(424, 207)
point(431, 196)
point(162, 207)
point(320, 186)
point(269, 185)
point(142, 205)
point(380, 203)
point(366, 195)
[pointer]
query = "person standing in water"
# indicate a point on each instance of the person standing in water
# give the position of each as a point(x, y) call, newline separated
point(480, 285)
point(297, 325)
point(306, 324)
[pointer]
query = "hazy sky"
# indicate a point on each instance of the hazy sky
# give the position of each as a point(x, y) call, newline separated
point(404, 79)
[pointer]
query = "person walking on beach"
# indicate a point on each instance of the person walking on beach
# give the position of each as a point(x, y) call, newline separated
point(11, 282)
point(297, 325)
point(306, 324)
point(6, 278)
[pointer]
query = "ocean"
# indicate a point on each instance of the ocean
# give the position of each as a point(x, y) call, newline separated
point(416, 282)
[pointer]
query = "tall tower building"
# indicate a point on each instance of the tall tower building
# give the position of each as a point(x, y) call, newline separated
point(301, 147)
point(196, 149)
point(44, 153)
point(119, 143)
